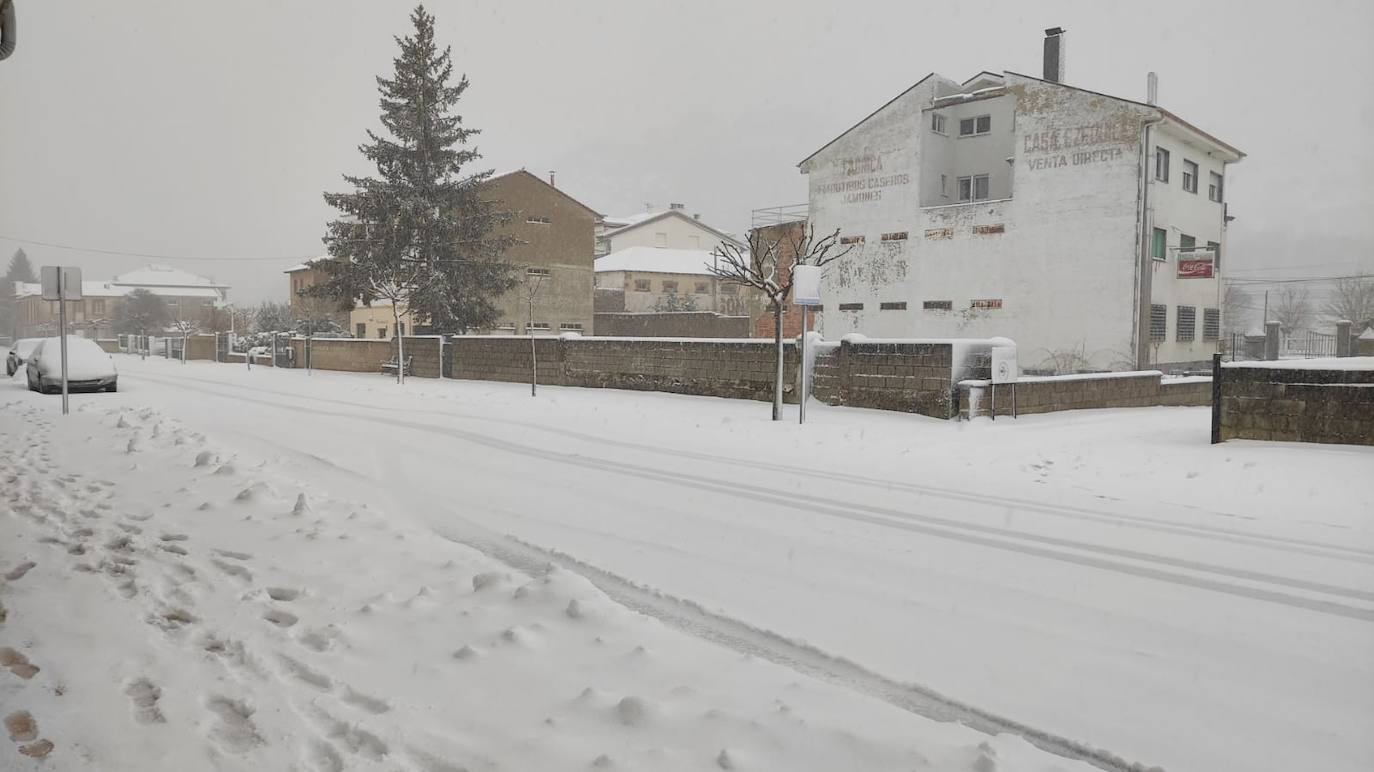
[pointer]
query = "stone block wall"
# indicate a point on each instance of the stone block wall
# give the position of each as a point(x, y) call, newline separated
point(680, 324)
point(1049, 394)
point(1192, 392)
point(503, 358)
point(740, 369)
point(913, 377)
point(200, 347)
point(1291, 405)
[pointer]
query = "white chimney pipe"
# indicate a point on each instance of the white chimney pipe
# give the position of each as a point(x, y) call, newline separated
point(1152, 89)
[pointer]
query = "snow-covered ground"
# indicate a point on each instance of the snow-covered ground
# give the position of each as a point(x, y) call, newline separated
point(749, 595)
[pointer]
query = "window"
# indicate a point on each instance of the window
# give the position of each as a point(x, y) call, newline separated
point(851, 306)
point(703, 288)
point(1189, 176)
point(938, 305)
point(987, 304)
point(1185, 327)
point(973, 188)
point(381, 331)
point(1214, 186)
point(660, 239)
point(851, 239)
point(360, 330)
point(1186, 242)
point(537, 272)
point(641, 285)
point(1161, 164)
point(939, 233)
point(1211, 323)
point(895, 236)
point(969, 127)
point(537, 220)
point(571, 327)
point(1216, 255)
point(897, 306)
point(989, 230)
point(670, 287)
point(1159, 322)
point(729, 289)
point(535, 327)
point(944, 186)
point(1158, 245)
point(506, 327)
point(98, 307)
point(937, 123)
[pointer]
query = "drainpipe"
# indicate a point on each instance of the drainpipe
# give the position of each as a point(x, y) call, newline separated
point(1145, 265)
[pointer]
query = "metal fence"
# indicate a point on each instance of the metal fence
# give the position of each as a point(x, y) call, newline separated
point(1308, 344)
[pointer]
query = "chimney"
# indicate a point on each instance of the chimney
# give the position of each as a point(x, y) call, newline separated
point(551, 182)
point(696, 216)
point(1152, 89)
point(677, 206)
point(1054, 54)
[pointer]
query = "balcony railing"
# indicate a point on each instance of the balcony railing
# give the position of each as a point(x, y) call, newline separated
point(776, 215)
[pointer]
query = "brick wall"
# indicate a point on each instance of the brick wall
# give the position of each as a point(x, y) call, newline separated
point(910, 376)
point(1329, 406)
point(681, 324)
point(359, 355)
point(200, 347)
point(740, 369)
point(1079, 392)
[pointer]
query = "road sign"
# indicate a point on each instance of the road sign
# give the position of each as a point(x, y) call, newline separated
point(806, 285)
point(61, 282)
point(1004, 369)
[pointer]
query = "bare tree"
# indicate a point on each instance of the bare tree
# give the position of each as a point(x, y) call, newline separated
point(1235, 308)
point(767, 267)
point(1353, 299)
point(1292, 308)
point(397, 283)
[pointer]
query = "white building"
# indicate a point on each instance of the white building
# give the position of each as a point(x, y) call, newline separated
point(672, 228)
point(1020, 206)
point(655, 279)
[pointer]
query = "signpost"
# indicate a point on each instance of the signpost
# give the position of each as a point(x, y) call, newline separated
point(1004, 371)
point(62, 283)
point(806, 292)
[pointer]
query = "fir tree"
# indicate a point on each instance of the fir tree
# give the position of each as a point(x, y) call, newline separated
point(20, 270)
point(420, 234)
point(141, 312)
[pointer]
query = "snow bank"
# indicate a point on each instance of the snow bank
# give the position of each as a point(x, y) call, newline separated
point(1322, 363)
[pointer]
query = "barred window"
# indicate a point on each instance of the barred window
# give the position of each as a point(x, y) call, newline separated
point(986, 303)
point(851, 239)
point(895, 236)
point(1185, 328)
point(537, 272)
point(899, 305)
point(851, 306)
point(1159, 322)
point(570, 326)
point(938, 305)
point(1211, 323)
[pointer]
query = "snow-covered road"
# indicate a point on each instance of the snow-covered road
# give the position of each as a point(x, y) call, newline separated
point(1105, 576)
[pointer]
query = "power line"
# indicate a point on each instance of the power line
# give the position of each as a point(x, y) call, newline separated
point(158, 257)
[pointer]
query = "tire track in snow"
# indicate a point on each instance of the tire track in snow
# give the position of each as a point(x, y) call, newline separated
point(1315, 548)
point(981, 535)
point(695, 620)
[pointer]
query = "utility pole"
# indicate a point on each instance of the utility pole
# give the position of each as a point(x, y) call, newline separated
point(532, 284)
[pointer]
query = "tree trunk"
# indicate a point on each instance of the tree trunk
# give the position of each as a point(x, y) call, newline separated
point(777, 376)
point(400, 345)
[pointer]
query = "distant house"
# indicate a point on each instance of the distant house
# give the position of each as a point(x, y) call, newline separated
point(552, 256)
point(672, 228)
point(189, 297)
point(655, 279)
point(304, 276)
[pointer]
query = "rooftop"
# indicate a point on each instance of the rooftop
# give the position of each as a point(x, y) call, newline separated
point(696, 262)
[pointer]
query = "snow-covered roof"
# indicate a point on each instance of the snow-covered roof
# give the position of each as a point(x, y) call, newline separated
point(620, 225)
point(307, 265)
point(657, 260)
point(101, 289)
point(163, 276)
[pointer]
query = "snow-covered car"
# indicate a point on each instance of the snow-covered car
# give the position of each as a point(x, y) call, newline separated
point(18, 353)
point(89, 368)
point(259, 351)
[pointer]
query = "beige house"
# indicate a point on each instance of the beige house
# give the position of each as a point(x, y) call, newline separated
point(661, 280)
point(377, 321)
point(668, 229)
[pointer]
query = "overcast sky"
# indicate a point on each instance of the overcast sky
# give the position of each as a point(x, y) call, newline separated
point(210, 129)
